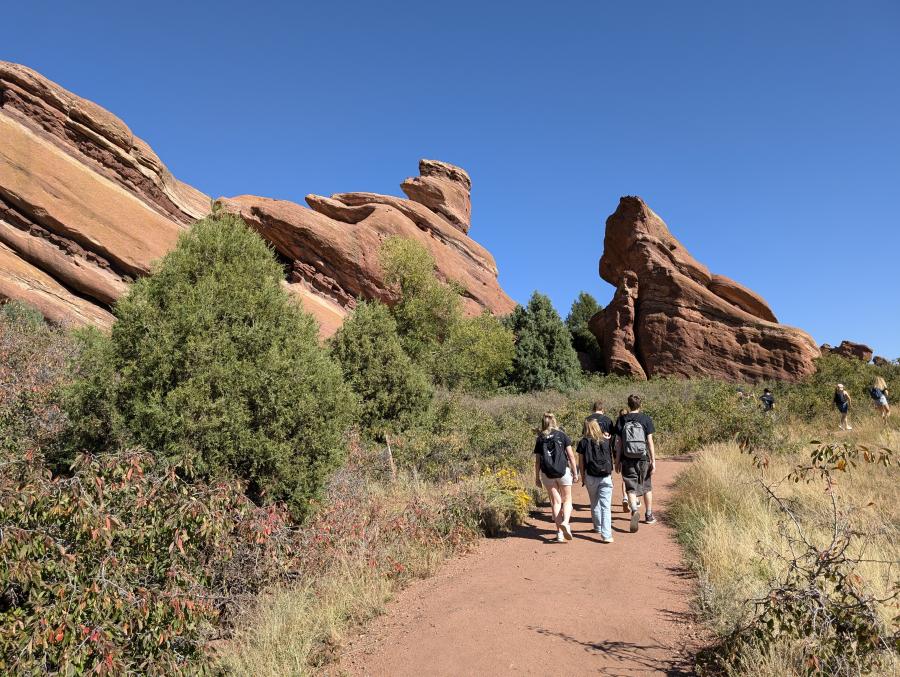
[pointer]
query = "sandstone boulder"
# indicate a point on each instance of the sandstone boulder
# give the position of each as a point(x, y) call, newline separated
point(86, 207)
point(333, 244)
point(880, 361)
point(671, 317)
point(849, 349)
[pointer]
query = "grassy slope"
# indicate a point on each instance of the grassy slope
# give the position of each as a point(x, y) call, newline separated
point(730, 531)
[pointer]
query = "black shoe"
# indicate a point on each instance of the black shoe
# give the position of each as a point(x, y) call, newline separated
point(649, 518)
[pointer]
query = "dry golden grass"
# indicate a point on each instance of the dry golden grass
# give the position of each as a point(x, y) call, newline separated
point(733, 534)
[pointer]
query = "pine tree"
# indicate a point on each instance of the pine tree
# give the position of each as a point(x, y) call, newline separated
point(544, 357)
point(583, 340)
point(213, 365)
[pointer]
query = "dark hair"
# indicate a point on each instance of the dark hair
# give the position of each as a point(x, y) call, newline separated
point(634, 402)
point(766, 390)
point(598, 405)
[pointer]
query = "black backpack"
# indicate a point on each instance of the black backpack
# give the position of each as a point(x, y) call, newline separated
point(876, 393)
point(597, 457)
point(554, 460)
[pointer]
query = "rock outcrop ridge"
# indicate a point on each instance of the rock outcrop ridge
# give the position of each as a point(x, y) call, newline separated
point(671, 317)
point(849, 349)
point(86, 207)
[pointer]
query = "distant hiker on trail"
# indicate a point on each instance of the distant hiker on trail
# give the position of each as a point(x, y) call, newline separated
point(768, 401)
point(555, 470)
point(595, 465)
point(842, 402)
point(636, 458)
point(879, 393)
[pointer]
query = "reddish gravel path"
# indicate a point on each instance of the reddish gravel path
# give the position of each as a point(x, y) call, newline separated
point(524, 605)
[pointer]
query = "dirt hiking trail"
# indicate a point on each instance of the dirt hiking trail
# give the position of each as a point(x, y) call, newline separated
point(526, 605)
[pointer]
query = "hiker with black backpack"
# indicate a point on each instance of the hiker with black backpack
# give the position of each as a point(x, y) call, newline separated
point(842, 401)
point(879, 393)
point(595, 465)
point(636, 458)
point(555, 470)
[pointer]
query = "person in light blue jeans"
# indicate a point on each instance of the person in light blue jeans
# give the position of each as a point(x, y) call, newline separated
point(595, 465)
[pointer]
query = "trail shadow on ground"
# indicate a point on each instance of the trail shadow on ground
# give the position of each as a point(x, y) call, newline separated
point(635, 657)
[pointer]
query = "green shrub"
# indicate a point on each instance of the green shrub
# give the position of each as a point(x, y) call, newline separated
point(211, 363)
point(544, 357)
point(426, 309)
point(33, 363)
point(811, 398)
point(472, 354)
point(393, 391)
point(583, 339)
point(477, 354)
point(124, 568)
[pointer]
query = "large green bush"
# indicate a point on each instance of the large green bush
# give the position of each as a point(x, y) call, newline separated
point(393, 391)
point(213, 364)
point(544, 357)
point(459, 352)
point(426, 309)
point(477, 355)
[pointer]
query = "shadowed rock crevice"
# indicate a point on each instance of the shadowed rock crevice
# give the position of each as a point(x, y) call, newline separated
point(671, 317)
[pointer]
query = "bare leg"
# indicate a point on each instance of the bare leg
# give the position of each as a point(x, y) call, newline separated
point(566, 492)
point(555, 505)
point(648, 502)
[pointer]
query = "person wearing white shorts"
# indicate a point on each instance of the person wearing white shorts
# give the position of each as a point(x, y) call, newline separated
point(555, 471)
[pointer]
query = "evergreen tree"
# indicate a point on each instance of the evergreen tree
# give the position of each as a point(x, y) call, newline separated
point(392, 390)
point(544, 357)
point(212, 364)
point(583, 340)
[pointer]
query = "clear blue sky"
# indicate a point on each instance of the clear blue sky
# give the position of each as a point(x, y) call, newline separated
point(766, 134)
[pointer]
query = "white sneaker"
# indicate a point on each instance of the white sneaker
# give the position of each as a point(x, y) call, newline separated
point(560, 538)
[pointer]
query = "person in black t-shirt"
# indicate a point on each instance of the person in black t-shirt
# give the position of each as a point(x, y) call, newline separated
point(595, 465)
point(636, 471)
point(555, 470)
point(612, 443)
point(842, 401)
point(768, 400)
point(604, 421)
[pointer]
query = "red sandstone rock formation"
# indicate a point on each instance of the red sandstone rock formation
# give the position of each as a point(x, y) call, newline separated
point(671, 316)
point(334, 244)
point(849, 349)
point(86, 207)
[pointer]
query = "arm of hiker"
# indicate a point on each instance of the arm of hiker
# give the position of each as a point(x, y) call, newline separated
point(572, 464)
point(537, 471)
point(581, 468)
point(652, 447)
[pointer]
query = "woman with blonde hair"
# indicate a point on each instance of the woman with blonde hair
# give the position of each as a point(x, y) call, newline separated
point(842, 401)
point(595, 465)
point(879, 393)
point(555, 470)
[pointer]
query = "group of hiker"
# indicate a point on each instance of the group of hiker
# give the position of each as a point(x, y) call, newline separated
point(625, 447)
point(878, 392)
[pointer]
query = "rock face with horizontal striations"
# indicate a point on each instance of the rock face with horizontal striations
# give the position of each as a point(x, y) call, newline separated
point(334, 243)
point(86, 207)
point(671, 317)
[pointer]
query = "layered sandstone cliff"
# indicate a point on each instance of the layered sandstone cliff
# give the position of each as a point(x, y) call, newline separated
point(671, 317)
point(86, 207)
